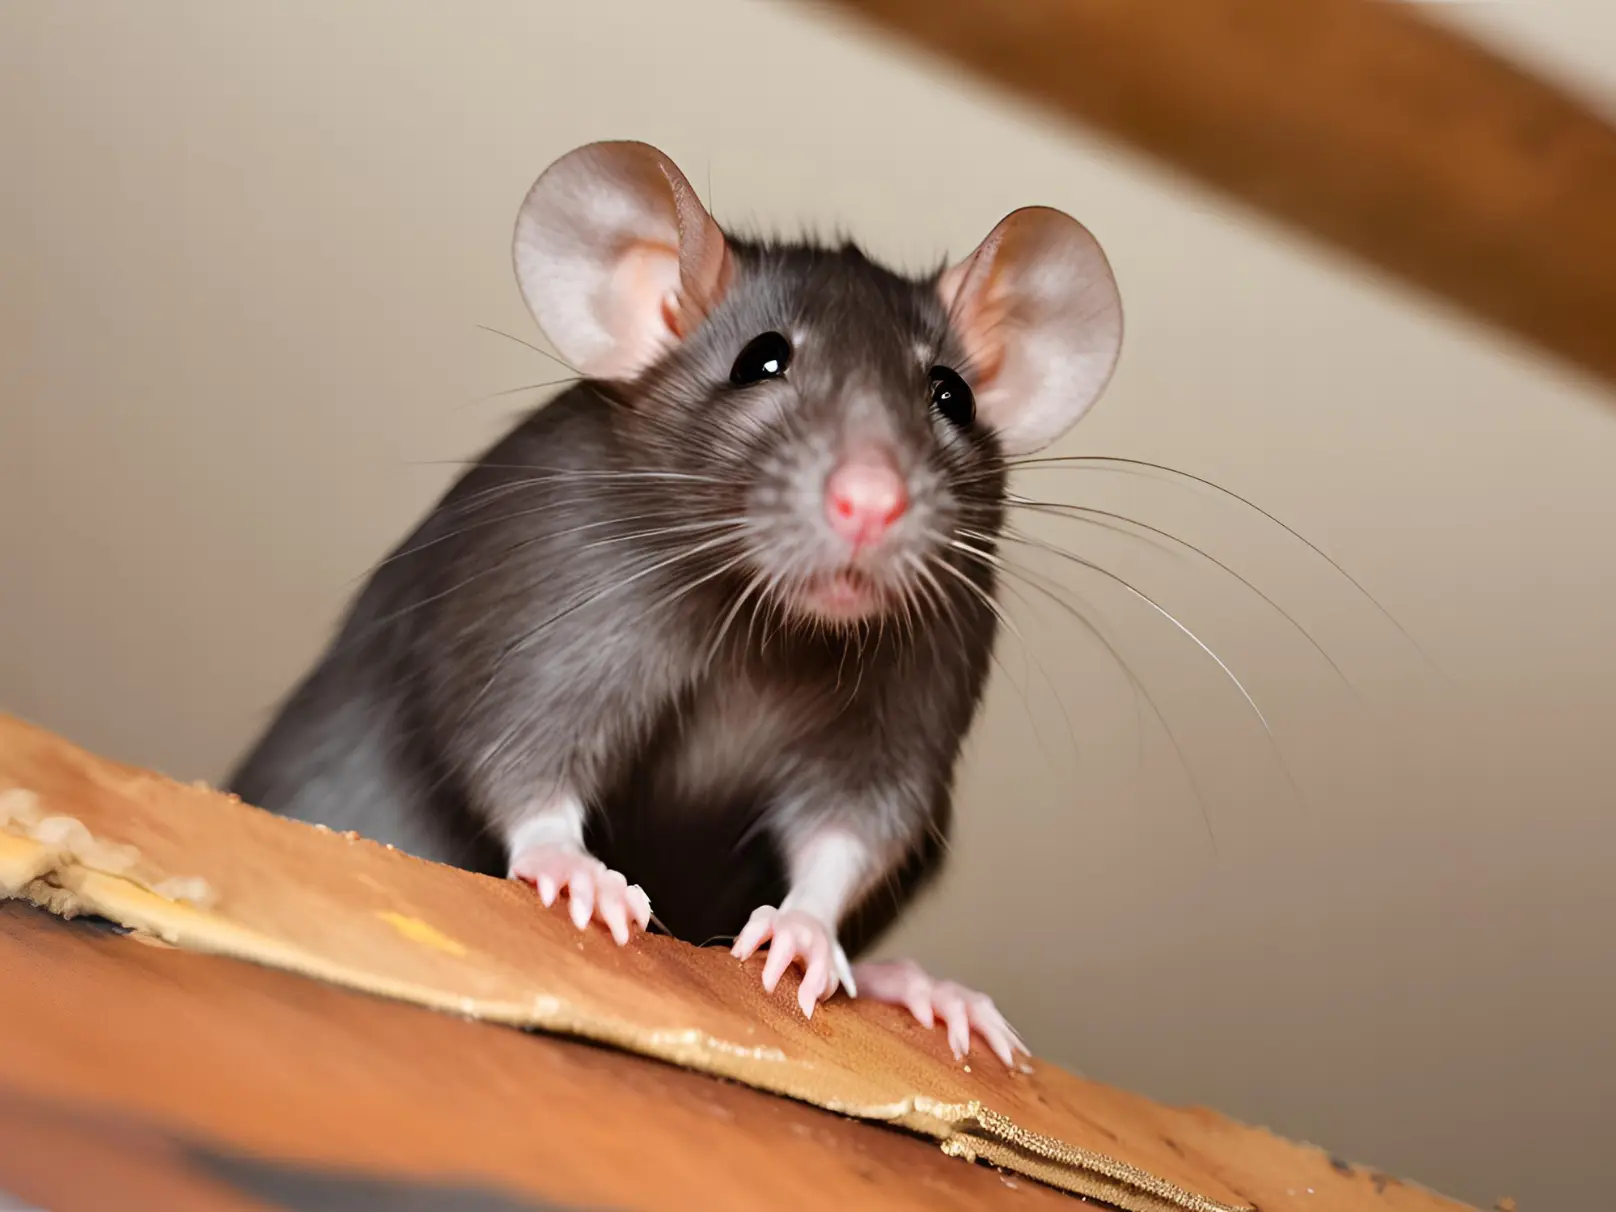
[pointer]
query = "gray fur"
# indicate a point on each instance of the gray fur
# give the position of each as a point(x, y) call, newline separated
point(524, 639)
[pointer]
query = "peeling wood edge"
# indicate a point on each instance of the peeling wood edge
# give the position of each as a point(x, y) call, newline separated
point(970, 1132)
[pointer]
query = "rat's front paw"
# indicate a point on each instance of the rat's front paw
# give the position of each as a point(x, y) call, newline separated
point(904, 983)
point(794, 935)
point(593, 889)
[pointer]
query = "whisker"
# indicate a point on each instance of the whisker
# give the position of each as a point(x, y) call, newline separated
point(1003, 616)
point(1154, 605)
point(638, 487)
point(1028, 664)
point(1141, 691)
point(487, 570)
point(521, 643)
point(906, 605)
point(511, 391)
point(660, 531)
point(532, 634)
point(753, 582)
point(857, 646)
point(1140, 465)
point(982, 594)
point(502, 518)
point(1078, 512)
point(511, 732)
point(582, 497)
point(545, 353)
point(580, 494)
point(771, 587)
point(692, 586)
point(555, 474)
point(941, 598)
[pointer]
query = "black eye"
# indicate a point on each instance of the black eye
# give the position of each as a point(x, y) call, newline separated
point(765, 357)
point(951, 396)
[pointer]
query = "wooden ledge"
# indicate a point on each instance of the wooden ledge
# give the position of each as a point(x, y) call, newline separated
point(223, 1059)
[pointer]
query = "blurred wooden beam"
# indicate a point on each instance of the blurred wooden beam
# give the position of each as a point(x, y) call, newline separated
point(1360, 122)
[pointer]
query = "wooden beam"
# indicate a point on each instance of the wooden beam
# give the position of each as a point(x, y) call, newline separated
point(1361, 122)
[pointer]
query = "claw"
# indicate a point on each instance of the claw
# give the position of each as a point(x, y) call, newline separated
point(961, 1011)
point(782, 951)
point(639, 905)
point(844, 972)
point(593, 890)
point(793, 935)
point(615, 914)
point(581, 891)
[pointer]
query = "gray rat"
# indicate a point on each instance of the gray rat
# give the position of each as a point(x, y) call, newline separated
point(716, 619)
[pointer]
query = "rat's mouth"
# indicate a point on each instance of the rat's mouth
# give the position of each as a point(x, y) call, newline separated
point(841, 595)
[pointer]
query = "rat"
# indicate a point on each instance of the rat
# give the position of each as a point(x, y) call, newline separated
point(708, 629)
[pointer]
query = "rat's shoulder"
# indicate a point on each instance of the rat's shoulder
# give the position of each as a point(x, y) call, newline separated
point(573, 429)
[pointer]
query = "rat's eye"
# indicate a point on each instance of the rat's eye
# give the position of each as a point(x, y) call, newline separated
point(765, 357)
point(951, 396)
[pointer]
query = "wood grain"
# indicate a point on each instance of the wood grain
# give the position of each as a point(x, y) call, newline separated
point(115, 1056)
point(1362, 123)
point(350, 911)
point(261, 1059)
point(248, 1058)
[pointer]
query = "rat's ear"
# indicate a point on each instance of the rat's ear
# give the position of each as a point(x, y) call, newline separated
point(616, 257)
point(1038, 312)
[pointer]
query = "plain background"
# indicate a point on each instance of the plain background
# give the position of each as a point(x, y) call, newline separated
point(244, 253)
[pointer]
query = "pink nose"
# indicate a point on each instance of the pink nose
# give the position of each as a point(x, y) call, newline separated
point(864, 496)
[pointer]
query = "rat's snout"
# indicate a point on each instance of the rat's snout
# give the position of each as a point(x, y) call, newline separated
point(864, 495)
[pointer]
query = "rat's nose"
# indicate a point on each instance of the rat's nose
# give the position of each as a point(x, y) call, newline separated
point(864, 496)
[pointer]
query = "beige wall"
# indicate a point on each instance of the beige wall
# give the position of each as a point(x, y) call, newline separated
point(244, 249)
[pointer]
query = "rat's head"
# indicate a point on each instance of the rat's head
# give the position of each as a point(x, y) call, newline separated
point(843, 428)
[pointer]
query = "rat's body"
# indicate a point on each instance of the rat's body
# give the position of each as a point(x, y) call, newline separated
point(690, 759)
point(719, 617)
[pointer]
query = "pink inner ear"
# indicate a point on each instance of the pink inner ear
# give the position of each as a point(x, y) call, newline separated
point(641, 294)
point(617, 258)
point(1036, 307)
point(978, 312)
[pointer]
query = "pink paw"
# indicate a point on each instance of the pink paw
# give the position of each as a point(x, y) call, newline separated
point(904, 983)
point(793, 935)
point(593, 889)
